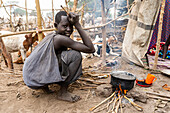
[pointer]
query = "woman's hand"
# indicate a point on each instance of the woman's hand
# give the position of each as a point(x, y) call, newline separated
point(73, 18)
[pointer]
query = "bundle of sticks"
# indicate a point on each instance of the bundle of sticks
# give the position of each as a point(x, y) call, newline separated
point(114, 102)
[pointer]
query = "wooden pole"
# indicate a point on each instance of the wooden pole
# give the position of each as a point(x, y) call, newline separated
point(115, 18)
point(82, 15)
point(74, 10)
point(103, 33)
point(11, 19)
point(26, 14)
point(128, 5)
point(6, 54)
point(75, 5)
point(53, 11)
point(40, 35)
point(159, 34)
point(43, 23)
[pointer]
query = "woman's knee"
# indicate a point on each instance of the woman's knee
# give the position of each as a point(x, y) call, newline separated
point(77, 55)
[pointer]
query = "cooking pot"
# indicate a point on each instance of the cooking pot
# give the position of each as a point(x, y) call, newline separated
point(125, 79)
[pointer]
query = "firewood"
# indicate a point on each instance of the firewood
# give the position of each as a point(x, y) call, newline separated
point(110, 102)
point(160, 95)
point(89, 80)
point(118, 104)
point(137, 106)
point(93, 108)
point(160, 98)
point(114, 103)
point(87, 95)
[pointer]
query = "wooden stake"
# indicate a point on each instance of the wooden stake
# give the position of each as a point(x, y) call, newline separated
point(40, 35)
point(115, 18)
point(74, 10)
point(128, 5)
point(53, 11)
point(26, 15)
point(82, 15)
point(103, 34)
point(6, 54)
point(75, 5)
point(159, 34)
point(12, 28)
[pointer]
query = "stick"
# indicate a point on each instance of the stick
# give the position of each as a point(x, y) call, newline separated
point(138, 107)
point(121, 110)
point(64, 9)
point(154, 97)
point(114, 103)
point(159, 34)
point(118, 104)
point(161, 95)
point(87, 95)
point(93, 108)
point(92, 81)
point(110, 103)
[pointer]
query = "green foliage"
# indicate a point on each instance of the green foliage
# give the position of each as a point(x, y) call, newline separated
point(19, 11)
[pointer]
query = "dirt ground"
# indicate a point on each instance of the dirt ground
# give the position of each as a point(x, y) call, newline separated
point(16, 97)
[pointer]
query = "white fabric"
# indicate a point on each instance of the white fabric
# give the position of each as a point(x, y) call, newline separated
point(137, 38)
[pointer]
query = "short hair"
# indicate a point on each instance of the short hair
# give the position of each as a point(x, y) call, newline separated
point(58, 16)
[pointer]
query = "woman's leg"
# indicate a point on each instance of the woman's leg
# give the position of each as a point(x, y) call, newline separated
point(73, 60)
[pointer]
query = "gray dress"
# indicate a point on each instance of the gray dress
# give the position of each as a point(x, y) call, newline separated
point(42, 67)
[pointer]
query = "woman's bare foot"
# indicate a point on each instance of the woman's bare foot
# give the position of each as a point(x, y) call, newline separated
point(46, 90)
point(68, 97)
point(63, 94)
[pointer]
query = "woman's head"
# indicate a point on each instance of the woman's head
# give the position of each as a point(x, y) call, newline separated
point(63, 26)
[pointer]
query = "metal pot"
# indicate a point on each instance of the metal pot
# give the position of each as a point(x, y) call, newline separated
point(125, 79)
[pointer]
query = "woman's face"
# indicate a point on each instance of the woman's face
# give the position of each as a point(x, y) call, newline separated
point(64, 27)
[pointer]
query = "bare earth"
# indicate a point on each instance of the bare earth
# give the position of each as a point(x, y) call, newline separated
point(16, 97)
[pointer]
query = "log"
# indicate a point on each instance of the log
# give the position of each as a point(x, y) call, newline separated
point(159, 34)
